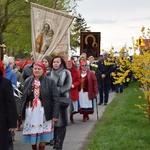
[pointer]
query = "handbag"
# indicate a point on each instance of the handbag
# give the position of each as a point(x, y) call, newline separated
point(64, 101)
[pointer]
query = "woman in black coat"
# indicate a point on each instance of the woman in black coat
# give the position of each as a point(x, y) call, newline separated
point(8, 111)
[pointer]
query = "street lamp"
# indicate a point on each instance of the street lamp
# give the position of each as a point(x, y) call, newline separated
point(2, 51)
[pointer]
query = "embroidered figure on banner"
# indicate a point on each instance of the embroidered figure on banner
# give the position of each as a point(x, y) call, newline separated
point(44, 39)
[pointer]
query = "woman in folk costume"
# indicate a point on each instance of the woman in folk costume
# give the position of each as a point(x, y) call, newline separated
point(88, 89)
point(63, 80)
point(74, 93)
point(39, 108)
point(8, 111)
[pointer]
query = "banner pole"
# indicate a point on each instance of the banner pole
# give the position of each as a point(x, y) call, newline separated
point(96, 107)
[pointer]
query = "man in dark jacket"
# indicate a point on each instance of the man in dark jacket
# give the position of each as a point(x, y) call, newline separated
point(8, 111)
point(28, 69)
point(103, 76)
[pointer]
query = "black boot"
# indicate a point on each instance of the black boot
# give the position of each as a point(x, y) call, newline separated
point(59, 135)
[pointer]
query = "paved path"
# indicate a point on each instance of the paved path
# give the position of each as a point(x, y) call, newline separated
point(76, 134)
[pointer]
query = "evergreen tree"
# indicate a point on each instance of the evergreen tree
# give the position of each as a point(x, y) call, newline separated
point(79, 25)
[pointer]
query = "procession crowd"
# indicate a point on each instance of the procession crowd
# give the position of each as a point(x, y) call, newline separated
point(45, 94)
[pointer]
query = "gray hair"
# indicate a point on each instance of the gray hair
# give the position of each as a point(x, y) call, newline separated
point(5, 60)
point(104, 53)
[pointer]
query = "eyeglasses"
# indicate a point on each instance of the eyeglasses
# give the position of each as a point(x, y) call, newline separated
point(84, 65)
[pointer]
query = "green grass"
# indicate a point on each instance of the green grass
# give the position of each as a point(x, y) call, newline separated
point(123, 126)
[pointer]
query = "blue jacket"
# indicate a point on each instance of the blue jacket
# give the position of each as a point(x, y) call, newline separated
point(11, 75)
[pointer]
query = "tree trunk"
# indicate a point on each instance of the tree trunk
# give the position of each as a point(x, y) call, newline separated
point(55, 5)
point(1, 40)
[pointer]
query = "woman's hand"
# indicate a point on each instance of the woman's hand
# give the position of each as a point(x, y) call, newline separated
point(55, 119)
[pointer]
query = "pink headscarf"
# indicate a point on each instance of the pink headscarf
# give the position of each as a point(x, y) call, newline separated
point(40, 64)
point(82, 63)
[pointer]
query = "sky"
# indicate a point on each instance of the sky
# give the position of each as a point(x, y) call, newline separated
point(117, 20)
